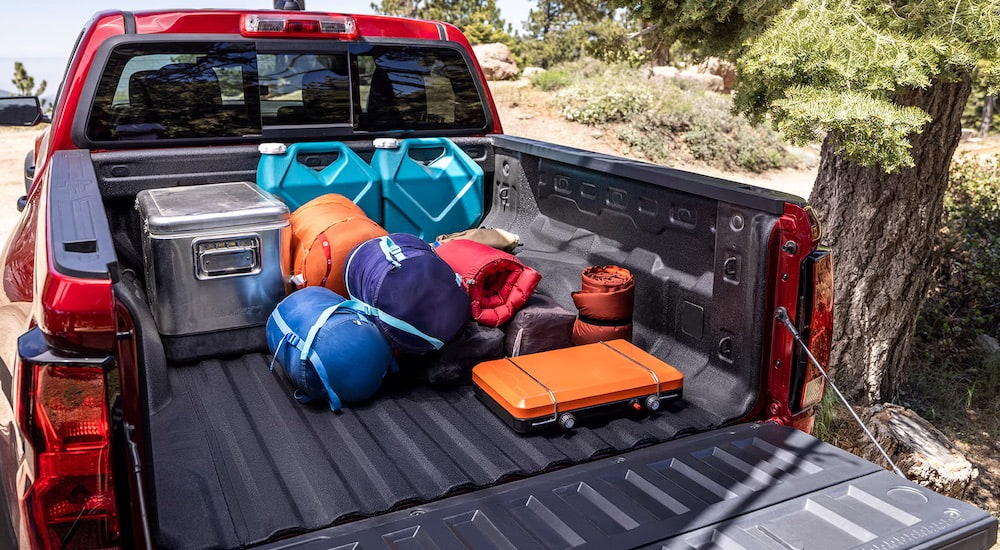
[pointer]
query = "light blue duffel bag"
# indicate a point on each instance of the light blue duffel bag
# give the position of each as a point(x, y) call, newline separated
point(327, 348)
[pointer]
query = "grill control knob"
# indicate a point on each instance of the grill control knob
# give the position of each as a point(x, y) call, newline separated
point(653, 403)
point(567, 421)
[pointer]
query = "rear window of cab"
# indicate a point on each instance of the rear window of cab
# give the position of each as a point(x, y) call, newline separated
point(172, 90)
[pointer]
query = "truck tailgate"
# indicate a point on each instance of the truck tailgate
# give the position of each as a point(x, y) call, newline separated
point(752, 486)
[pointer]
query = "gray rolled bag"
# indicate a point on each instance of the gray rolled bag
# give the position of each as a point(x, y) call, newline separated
point(541, 325)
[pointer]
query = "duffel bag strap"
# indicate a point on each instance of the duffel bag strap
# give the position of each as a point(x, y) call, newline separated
point(313, 330)
point(287, 336)
point(393, 253)
point(299, 278)
point(331, 395)
point(394, 322)
point(306, 354)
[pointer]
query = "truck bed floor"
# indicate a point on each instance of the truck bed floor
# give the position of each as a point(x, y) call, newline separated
point(239, 461)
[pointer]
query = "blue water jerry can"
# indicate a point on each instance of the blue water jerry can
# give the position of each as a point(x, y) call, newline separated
point(430, 187)
point(280, 173)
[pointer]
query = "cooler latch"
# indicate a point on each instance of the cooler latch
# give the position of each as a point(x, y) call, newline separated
point(227, 257)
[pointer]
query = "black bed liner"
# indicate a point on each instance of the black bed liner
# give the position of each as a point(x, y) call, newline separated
point(752, 486)
point(239, 461)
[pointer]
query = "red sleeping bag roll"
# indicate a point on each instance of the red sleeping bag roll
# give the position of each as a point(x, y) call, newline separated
point(498, 284)
point(605, 302)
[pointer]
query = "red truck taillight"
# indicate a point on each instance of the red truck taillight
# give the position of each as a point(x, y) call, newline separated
point(64, 414)
point(815, 320)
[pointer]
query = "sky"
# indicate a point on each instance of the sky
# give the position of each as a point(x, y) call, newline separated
point(44, 41)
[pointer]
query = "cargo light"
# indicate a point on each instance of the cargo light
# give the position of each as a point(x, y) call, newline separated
point(64, 415)
point(300, 26)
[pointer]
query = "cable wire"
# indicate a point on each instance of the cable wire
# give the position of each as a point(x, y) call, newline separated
point(781, 314)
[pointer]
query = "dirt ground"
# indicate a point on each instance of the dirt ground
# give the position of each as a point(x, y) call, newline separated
point(525, 112)
point(14, 144)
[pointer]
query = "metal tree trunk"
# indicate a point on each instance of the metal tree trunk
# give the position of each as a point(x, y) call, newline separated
point(881, 228)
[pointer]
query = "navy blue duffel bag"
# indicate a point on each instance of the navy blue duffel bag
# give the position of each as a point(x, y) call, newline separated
point(416, 299)
point(328, 347)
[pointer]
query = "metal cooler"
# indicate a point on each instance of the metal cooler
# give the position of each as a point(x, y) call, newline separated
point(213, 256)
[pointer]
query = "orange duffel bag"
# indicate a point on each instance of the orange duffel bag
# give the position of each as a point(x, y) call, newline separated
point(324, 231)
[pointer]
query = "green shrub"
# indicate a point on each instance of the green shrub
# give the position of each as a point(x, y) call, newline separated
point(739, 146)
point(558, 46)
point(651, 141)
point(593, 105)
point(704, 123)
point(659, 118)
point(602, 103)
point(963, 302)
point(616, 42)
point(551, 80)
point(482, 32)
point(584, 68)
point(832, 421)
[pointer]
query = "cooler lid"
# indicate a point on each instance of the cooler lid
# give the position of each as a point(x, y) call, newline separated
point(211, 206)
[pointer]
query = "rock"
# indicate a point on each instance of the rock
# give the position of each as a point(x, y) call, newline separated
point(988, 344)
point(721, 68)
point(690, 77)
point(804, 157)
point(529, 72)
point(710, 82)
point(498, 70)
point(968, 134)
point(665, 72)
point(924, 454)
point(496, 60)
point(495, 50)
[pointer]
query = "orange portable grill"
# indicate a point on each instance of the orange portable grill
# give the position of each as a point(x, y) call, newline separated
point(563, 386)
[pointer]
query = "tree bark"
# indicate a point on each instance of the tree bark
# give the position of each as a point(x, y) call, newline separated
point(924, 454)
point(881, 228)
point(987, 122)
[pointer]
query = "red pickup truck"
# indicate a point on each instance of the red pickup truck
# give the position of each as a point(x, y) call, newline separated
point(115, 435)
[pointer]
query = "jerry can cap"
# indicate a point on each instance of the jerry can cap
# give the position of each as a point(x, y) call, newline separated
point(272, 148)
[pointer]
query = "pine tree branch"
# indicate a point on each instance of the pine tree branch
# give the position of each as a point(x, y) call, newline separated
point(642, 32)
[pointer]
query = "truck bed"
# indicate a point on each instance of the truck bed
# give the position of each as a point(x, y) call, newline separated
point(236, 461)
point(239, 461)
